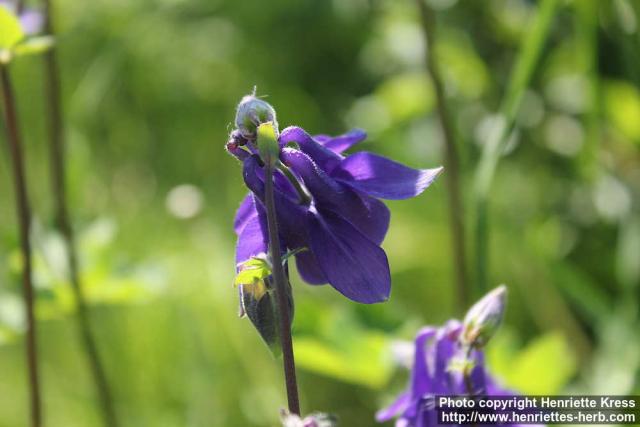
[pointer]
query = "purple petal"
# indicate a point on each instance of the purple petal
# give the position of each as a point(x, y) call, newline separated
point(283, 185)
point(445, 348)
point(376, 224)
point(420, 377)
point(397, 407)
point(354, 265)
point(380, 177)
point(32, 21)
point(315, 179)
point(428, 417)
point(291, 216)
point(341, 143)
point(309, 269)
point(253, 175)
point(368, 215)
point(478, 373)
point(324, 157)
point(245, 212)
point(253, 240)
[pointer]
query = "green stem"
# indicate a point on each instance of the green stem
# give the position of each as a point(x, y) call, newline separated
point(305, 198)
point(63, 223)
point(525, 66)
point(282, 303)
point(452, 161)
point(24, 223)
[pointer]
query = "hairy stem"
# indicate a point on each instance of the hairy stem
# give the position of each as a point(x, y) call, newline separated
point(63, 223)
point(24, 224)
point(452, 159)
point(282, 304)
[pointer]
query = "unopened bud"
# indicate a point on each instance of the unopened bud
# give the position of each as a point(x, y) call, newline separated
point(251, 113)
point(484, 318)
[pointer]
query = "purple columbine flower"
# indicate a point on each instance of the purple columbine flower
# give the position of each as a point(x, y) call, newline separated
point(32, 20)
point(437, 350)
point(445, 362)
point(328, 208)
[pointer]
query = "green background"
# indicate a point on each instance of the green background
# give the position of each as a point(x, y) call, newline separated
point(150, 89)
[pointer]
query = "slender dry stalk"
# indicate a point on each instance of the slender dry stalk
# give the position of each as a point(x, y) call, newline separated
point(63, 223)
point(24, 224)
point(452, 161)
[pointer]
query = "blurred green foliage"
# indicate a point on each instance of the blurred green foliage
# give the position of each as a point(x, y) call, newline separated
point(150, 89)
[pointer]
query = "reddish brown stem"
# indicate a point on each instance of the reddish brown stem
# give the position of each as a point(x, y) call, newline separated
point(24, 225)
point(63, 223)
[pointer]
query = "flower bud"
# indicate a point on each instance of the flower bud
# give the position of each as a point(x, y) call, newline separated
point(252, 112)
point(261, 311)
point(254, 282)
point(256, 302)
point(484, 318)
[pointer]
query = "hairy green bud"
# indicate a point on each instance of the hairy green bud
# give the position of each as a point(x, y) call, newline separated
point(251, 113)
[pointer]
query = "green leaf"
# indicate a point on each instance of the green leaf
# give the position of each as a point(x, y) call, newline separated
point(582, 291)
point(34, 46)
point(10, 29)
point(340, 347)
point(622, 104)
point(544, 366)
point(463, 69)
point(627, 266)
point(363, 362)
point(406, 96)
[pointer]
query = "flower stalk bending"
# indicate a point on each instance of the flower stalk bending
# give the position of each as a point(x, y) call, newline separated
point(282, 305)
